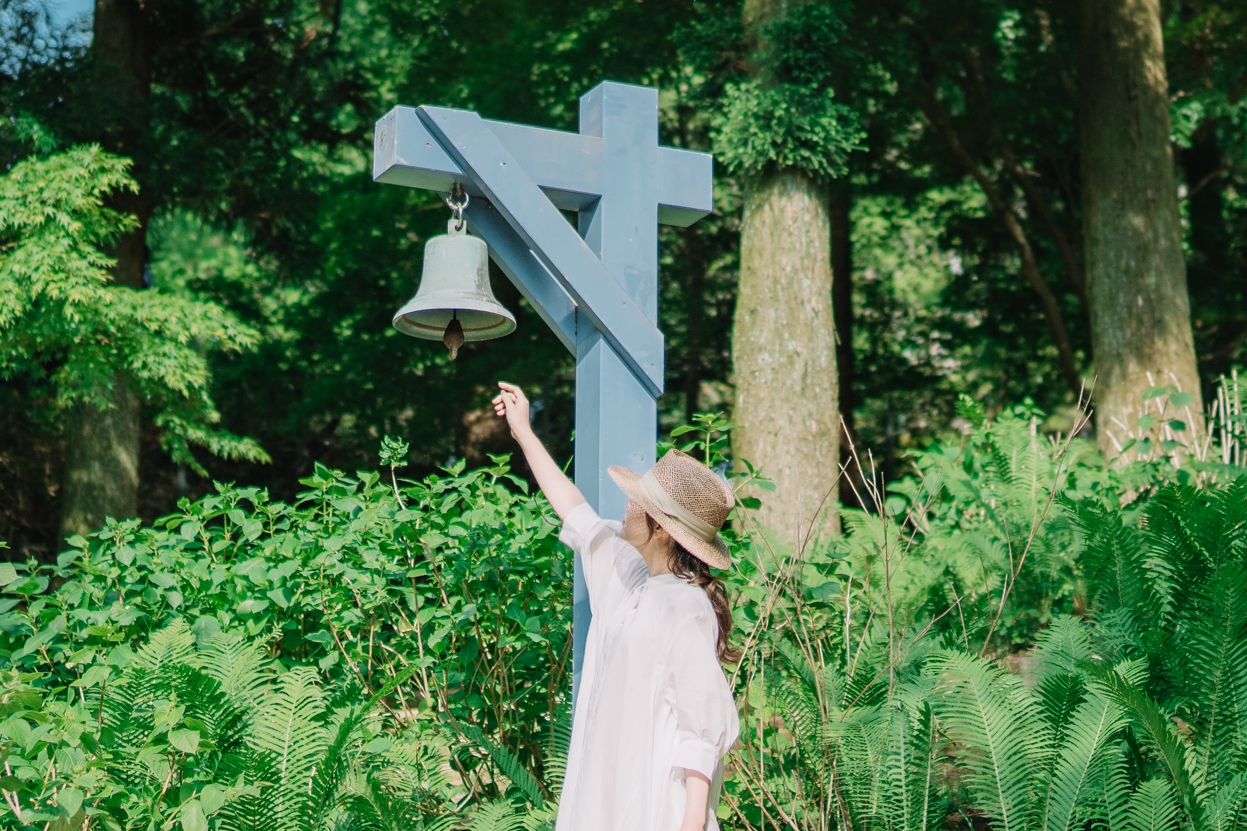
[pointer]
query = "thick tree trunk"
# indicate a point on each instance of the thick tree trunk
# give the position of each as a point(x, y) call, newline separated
point(1135, 270)
point(784, 355)
point(101, 463)
point(102, 444)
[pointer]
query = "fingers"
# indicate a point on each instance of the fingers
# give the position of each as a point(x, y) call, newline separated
point(512, 390)
point(509, 400)
point(506, 399)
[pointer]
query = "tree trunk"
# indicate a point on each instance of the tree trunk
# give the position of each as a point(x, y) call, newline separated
point(101, 463)
point(784, 356)
point(1135, 270)
point(787, 408)
point(102, 445)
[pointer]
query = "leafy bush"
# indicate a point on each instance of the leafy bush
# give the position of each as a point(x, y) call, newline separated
point(194, 731)
point(454, 583)
point(1016, 636)
point(878, 689)
point(764, 129)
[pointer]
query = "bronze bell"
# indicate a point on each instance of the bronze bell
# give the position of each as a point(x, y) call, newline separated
point(454, 302)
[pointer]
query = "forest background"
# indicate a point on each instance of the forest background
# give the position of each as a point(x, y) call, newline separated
point(938, 224)
point(941, 142)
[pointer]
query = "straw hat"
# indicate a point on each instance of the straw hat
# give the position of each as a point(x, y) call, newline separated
point(687, 499)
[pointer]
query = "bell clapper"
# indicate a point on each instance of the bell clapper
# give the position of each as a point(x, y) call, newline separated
point(453, 338)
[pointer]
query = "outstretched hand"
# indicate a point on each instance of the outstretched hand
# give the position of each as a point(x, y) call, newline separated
point(512, 404)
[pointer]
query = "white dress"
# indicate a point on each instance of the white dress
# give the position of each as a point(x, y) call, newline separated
point(653, 698)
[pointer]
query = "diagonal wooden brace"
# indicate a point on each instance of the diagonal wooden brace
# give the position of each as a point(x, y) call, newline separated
point(536, 220)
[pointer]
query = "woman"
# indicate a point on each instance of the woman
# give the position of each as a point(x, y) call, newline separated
point(655, 716)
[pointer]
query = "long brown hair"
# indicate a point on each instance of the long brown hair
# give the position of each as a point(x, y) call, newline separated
point(687, 567)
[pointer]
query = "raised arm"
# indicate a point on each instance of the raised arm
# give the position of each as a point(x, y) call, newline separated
point(512, 405)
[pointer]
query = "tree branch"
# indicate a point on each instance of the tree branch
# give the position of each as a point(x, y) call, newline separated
point(1040, 208)
point(934, 112)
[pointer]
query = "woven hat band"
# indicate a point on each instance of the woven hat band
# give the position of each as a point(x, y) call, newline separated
point(663, 501)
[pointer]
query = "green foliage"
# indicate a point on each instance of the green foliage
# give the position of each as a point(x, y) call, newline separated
point(201, 732)
point(783, 115)
point(452, 585)
point(67, 331)
point(761, 129)
point(395, 655)
point(926, 664)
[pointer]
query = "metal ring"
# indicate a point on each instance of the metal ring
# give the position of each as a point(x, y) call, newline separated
point(458, 208)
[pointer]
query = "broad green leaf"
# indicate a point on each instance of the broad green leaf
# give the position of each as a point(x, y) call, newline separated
point(193, 818)
point(70, 800)
point(186, 741)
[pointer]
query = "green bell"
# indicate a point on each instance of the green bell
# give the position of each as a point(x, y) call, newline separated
point(454, 303)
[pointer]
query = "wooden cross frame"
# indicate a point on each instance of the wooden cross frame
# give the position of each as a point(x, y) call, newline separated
point(595, 284)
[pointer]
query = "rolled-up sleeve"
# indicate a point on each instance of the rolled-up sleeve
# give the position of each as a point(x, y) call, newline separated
point(706, 721)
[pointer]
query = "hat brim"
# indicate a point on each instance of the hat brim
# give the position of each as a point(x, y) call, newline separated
point(714, 553)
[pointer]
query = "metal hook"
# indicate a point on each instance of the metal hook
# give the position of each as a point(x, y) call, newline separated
point(457, 201)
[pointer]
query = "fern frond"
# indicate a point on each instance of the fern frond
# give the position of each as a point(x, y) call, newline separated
point(1117, 635)
point(852, 755)
point(1093, 725)
point(1060, 646)
point(555, 747)
point(910, 797)
point(365, 798)
point(498, 816)
point(331, 768)
point(238, 664)
point(1153, 807)
point(507, 762)
point(1156, 728)
point(540, 820)
point(1215, 674)
point(415, 770)
point(175, 644)
point(288, 728)
point(798, 706)
point(1060, 695)
point(997, 724)
point(1225, 808)
point(1112, 788)
point(1112, 555)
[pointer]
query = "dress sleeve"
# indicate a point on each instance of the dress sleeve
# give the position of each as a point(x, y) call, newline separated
point(706, 720)
point(597, 542)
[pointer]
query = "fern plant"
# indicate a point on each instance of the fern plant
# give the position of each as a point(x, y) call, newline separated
point(528, 803)
point(1029, 756)
point(208, 734)
point(1168, 582)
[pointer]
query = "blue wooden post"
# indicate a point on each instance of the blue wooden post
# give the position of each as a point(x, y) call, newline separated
point(616, 416)
point(595, 285)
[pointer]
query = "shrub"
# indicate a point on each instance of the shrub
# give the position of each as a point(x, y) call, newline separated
point(1015, 635)
point(454, 583)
